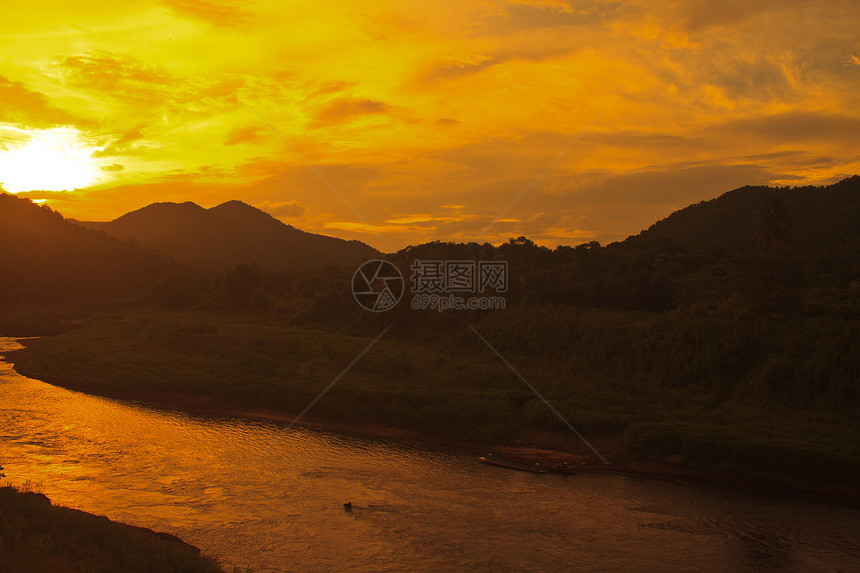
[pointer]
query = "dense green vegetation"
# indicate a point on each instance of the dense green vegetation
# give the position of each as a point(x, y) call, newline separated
point(36, 536)
point(724, 338)
point(245, 359)
point(629, 375)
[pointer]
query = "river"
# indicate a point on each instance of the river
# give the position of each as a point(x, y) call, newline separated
point(258, 496)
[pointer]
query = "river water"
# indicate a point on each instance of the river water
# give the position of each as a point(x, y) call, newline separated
point(255, 495)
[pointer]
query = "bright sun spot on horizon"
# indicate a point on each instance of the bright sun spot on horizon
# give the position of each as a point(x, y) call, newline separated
point(51, 160)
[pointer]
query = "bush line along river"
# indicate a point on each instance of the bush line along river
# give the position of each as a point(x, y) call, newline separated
point(620, 384)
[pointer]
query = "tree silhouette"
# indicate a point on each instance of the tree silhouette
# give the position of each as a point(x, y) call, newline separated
point(771, 230)
point(771, 225)
point(242, 282)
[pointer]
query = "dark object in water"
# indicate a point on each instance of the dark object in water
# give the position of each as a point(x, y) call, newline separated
point(562, 469)
point(347, 506)
point(534, 468)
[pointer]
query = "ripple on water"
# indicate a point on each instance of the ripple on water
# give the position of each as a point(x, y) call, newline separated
point(255, 494)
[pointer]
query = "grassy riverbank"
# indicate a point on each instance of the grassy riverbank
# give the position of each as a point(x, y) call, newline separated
point(445, 383)
point(36, 536)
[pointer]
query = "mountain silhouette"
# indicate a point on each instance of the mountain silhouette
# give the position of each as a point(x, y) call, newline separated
point(709, 251)
point(47, 262)
point(822, 221)
point(231, 233)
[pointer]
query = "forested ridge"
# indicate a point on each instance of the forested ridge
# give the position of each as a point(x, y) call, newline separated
point(724, 336)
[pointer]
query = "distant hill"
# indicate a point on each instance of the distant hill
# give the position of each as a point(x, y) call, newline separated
point(706, 253)
point(700, 254)
point(218, 238)
point(48, 261)
point(822, 231)
point(821, 222)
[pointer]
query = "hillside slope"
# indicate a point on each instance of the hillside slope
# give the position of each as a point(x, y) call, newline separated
point(45, 258)
point(218, 238)
point(822, 225)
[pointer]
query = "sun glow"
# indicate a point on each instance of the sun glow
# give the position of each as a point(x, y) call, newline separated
point(50, 160)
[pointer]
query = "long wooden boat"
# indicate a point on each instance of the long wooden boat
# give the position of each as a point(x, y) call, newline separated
point(493, 461)
point(562, 469)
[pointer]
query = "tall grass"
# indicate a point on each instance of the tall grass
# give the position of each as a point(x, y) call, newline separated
point(692, 382)
point(36, 536)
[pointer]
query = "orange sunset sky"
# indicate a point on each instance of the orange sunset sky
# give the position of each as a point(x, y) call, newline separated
point(429, 117)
